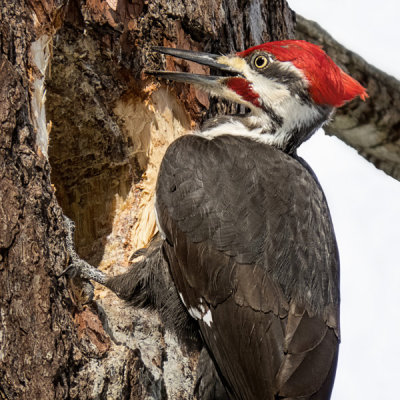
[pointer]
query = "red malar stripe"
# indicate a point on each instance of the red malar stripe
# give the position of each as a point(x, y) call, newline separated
point(244, 89)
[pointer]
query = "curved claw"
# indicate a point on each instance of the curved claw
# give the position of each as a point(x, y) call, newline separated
point(82, 291)
point(87, 292)
point(66, 272)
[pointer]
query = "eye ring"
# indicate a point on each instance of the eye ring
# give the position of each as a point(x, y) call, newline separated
point(261, 61)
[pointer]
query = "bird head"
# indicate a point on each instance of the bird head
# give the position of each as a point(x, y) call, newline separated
point(291, 88)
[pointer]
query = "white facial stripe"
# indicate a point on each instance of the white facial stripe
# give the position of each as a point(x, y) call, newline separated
point(271, 93)
point(288, 66)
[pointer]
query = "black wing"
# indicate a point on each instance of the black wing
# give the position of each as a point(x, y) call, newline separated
point(253, 255)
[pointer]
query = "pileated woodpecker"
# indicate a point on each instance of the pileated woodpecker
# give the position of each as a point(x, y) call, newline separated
point(246, 232)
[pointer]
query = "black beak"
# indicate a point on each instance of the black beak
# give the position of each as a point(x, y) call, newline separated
point(210, 60)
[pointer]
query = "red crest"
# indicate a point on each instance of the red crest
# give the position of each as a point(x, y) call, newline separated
point(329, 84)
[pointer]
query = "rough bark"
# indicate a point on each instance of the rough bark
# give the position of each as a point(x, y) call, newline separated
point(106, 129)
point(37, 338)
point(373, 127)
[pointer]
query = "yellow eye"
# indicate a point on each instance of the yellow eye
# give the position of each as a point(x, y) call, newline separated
point(260, 61)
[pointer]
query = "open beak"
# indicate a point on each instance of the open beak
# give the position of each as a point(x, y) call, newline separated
point(211, 60)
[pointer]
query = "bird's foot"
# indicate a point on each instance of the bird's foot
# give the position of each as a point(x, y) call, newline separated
point(79, 271)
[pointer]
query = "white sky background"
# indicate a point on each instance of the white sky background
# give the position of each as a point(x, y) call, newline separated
point(365, 207)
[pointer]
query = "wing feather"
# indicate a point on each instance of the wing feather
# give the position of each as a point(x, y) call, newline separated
point(252, 252)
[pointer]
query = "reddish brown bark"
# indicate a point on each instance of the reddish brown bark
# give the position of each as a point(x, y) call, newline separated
point(102, 115)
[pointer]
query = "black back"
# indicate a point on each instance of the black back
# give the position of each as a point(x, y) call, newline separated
point(250, 244)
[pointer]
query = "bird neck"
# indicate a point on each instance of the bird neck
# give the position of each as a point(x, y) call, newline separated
point(283, 130)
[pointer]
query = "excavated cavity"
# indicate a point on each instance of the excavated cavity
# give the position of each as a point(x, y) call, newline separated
point(108, 134)
point(92, 160)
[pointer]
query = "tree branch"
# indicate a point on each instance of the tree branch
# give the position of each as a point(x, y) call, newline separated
point(373, 127)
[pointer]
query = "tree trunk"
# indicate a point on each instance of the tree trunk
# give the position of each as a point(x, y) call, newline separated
point(106, 129)
point(38, 342)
